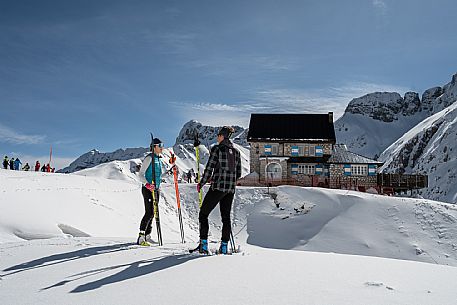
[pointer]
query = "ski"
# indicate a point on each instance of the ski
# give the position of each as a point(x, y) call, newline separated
point(154, 199)
point(197, 155)
point(178, 200)
point(197, 251)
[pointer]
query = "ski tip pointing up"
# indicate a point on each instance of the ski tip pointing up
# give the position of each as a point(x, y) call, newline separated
point(196, 140)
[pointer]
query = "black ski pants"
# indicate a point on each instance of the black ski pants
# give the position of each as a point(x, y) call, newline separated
point(212, 198)
point(146, 221)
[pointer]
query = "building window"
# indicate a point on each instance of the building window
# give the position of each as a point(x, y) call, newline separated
point(312, 151)
point(307, 169)
point(359, 170)
point(301, 150)
point(275, 149)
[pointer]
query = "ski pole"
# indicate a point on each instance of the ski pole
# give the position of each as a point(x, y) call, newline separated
point(178, 200)
point(232, 242)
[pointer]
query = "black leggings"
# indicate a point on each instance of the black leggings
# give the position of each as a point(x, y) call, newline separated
point(146, 221)
point(212, 198)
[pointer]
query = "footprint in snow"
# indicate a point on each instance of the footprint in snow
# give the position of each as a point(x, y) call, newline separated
point(378, 284)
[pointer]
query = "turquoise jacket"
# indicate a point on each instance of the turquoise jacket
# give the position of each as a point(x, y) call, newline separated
point(146, 170)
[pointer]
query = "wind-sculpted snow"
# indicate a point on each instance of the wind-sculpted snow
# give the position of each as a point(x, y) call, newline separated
point(45, 259)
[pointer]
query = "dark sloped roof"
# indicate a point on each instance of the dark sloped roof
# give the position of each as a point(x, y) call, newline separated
point(291, 127)
point(340, 154)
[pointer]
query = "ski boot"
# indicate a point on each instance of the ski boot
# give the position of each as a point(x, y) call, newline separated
point(141, 241)
point(223, 249)
point(149, 238)
point(202, 247)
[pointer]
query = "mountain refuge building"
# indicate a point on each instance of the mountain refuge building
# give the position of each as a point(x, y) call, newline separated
point(301, 149)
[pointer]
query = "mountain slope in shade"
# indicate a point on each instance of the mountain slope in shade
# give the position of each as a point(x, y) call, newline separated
point(371, 123)
point(430, 148)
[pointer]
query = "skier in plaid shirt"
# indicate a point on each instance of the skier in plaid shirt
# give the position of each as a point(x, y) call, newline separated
point(223, 170)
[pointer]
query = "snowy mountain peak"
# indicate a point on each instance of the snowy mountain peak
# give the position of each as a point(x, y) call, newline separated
point(207, 134)
point(371, 123)
point(94, 158)
point(384, 106)
point(183, 148)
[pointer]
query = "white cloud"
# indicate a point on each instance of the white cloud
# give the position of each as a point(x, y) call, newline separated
point(9, 135)
point(248, 63)
point(333, 99)
point(380, 5)
point(380, 8)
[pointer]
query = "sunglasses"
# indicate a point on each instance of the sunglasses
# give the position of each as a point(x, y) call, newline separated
point(160, 145)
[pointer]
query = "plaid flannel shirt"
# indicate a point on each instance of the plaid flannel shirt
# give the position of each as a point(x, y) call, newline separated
point(217, 168)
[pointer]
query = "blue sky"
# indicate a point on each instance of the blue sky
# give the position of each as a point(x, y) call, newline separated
point(80, 74)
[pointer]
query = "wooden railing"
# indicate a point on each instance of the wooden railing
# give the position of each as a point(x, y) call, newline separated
point(402, 181)
point(309, 180)
point(396, 182)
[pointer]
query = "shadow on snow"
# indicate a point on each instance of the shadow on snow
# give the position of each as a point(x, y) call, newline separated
point(131, 271)
point(66, 257)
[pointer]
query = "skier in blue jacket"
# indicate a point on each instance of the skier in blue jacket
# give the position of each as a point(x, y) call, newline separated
point(17, 164)
point(149, 186)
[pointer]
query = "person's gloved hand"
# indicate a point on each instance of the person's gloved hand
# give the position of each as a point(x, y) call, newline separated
point(149, 186)
point(198, 187)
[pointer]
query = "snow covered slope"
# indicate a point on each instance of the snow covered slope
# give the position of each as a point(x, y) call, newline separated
point(308, 218)
point(430, 147)
point(373, 122)
point(67, 239)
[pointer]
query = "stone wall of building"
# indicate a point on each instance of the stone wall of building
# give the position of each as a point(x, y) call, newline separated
point(339, 180)
point(327, 147)
point(257, 150)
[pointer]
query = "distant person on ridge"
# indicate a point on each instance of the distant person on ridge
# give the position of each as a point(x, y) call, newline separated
point(5, 162)
point(37, 166)
point(12, 163)
point(48, 168)
point(17, 164)
point(146, 176)
point(43, 168)
point(26, 167)
point(224, 169)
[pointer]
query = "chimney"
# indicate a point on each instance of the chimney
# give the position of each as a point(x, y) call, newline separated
point(330, 117)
